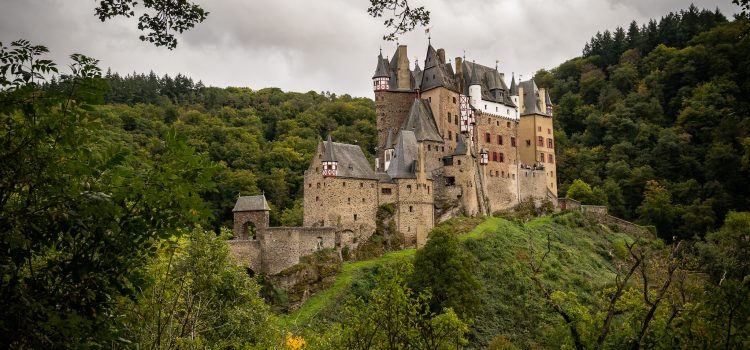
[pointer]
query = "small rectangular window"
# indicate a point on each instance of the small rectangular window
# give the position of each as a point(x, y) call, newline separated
point(550, 159)
point(540, 141)
point(487, 137)
point(501, 157)
point(513, 142)
point(541, 157)
point(499, 139)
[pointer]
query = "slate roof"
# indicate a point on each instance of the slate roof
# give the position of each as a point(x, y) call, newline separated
point(436, 74)
point(251, 203)
point(390, 142)
point(351, 160)
point(380, 69)
point(513, 87)
point(532, 103)
point(404, 160)
point(461, 148)
point(422, 122)
point(328, 153)
point(491, 81)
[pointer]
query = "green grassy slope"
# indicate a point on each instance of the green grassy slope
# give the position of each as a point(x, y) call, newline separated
point(581, 261)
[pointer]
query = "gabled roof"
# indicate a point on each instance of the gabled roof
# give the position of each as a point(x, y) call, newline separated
point(532, 103)
point(251, 203)
point(491, 81)
point(421, 122)
point(351, 160)
point(405, 156)
point(436, 73)
point(380, 69)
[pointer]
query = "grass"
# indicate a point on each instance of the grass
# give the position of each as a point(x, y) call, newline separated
point(320, 301)
point(581, 261)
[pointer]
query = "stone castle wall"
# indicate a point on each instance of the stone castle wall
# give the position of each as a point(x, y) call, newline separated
point(533, 183)
point(277, 248)
point(246, 252)
point(500, 177)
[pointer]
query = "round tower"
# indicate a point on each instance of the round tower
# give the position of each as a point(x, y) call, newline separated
point(475, 87)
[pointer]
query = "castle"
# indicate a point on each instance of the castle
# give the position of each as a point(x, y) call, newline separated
point(453, 138)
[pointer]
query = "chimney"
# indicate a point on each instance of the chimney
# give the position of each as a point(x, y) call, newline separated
point(520, 99)
point(420, 163)
point(460, 74)
point(543, 98)
point(403, 74)
point(441, 56)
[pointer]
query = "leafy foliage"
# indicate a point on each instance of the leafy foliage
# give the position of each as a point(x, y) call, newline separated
point(400, 17)
point(79, 213)
point(196, 297)
point(396, 318)
point(443, 268)
point(665, 102)
point(160, 20)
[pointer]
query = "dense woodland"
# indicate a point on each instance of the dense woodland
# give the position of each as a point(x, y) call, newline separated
point(656, 119)
point(262, 140)
point(116, 192)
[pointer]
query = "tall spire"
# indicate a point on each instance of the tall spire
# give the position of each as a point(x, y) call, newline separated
point(328, 155)
point(513, 87)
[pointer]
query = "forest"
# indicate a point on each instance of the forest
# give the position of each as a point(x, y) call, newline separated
point(116, 194)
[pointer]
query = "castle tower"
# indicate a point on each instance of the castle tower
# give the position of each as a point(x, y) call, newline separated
point(330, 165)
point(537, 145)
point(250, 214)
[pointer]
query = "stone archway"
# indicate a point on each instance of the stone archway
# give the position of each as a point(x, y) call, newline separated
point(249, 231)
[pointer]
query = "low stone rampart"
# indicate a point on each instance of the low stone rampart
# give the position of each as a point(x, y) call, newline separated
point(277, 248)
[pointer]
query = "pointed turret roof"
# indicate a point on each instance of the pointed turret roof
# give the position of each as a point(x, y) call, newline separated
point(532, 103)
point(474, 80)
point(513, 87)
point(416, 67)
point(547, 100)
point(381, 70)
point(422, 122)
point(405, 155)
point(328, 155)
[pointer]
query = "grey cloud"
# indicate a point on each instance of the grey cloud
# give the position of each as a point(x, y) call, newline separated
point(327, 45)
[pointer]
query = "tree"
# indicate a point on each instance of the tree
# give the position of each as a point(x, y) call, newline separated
point(443, 268)
point(396, 317)
point(657, 209)
point(197, 296)
point(79, 213)
point(580, 191)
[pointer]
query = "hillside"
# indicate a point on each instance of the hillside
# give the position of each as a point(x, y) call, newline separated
point(581, 261)
point(654, 117)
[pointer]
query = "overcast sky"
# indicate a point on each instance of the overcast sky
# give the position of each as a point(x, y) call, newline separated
point(328, 45)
